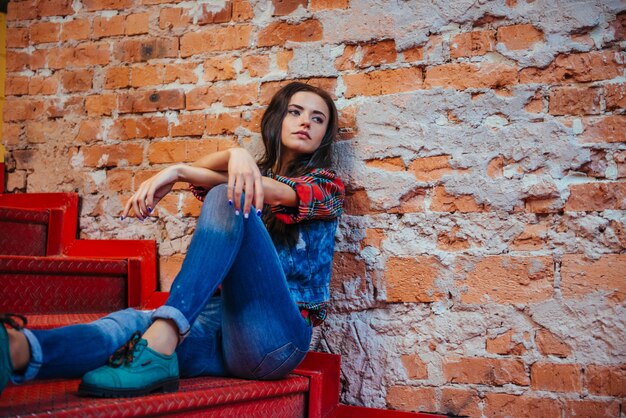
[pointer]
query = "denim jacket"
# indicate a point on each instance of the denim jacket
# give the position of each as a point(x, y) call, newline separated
point(308, 264)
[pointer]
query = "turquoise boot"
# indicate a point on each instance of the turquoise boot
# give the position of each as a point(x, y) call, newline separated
point(134, 370)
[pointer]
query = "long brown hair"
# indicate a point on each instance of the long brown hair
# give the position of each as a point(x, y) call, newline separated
point(271, 133)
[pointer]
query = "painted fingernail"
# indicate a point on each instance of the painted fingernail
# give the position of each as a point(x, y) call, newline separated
point(149, 209)
point(121, 218)
point(237, 212)
point(245, 215)
point(258, 212)
point(230, 202)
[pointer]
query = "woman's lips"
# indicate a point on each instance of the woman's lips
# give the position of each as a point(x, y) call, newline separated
point(303, 134)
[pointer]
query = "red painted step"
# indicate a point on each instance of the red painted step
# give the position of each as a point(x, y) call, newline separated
point(29, 231)
point(204, 396)
point(63, 284)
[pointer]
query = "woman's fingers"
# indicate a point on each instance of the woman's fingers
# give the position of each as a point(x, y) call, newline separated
point(249, 188)
point(258, 194)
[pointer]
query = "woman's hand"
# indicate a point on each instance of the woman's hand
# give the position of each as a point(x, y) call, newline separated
point(150, 192)
point(244, 176)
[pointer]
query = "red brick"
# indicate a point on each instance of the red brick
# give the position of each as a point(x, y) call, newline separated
point(347, 60)
point(619, 26)
point(91, 5)
point(57, 108)
point(21, 10)
point(169, 266)
point(347, 268)
point(219, 68)
point(238, 94)
point(431, 168)
point(75, 30)
point(286, 7)
point(505, 405)
point(504, 345)
point(17, 61)
point(242, 11)
point(463, 76)
point(347, 122)
point(556, 377)
point(77, 81)
point(620, 159)
point(138, 127)
point(413, 54)
point(101, 104)
point(184, 73)
point(581, 277)
point(210, 39)
point(11, 133)
point(519, 36)
point(113, 26)
point(588, 408)
point(442, 201)
point(535, 104)
point(200, 98)
point(407, 398)
point(485, 371)
point(278, 33)
point(137, 50)
point(174, 18)
point(184, 150)
point(210, 15)
point(84, 55)
point(615, 96)
point(119, 180)
point(415, 367)
point(222, 123)
point(269, 88)
point(604, 129)
point(112, 155)
point(452, 241)
point(17, 37)
point(256, 65)
point(146, 75)
point(410, 202)
point(16, 85)
point(189, 125)
point(597, 196)
point(574, 101)
point(137, 24)
point(382, 82)
point(317, 5)
point(90, 130)
point(117, 77)
point(151, 101)
point(44, 32)
point(472, 44)
point(54, 8)
point(582, 67)
point(532, 238)
point(283, 57)
point(388, 164)
point(412, 279)
point(43, 85)
point(460, 402)
point(606, 380)
point(45, 131)
point(22, 109)
point(383, 52)
point(550, 344)
point(508, 279)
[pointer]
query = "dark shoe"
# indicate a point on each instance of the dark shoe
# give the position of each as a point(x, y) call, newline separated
point(6, 365)
point(134, 370)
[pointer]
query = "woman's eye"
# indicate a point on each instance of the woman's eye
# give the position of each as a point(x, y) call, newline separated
point(294, 112)
point(318, 120)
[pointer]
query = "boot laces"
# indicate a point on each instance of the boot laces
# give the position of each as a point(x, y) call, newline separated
point(125, 354)
point(15, 321)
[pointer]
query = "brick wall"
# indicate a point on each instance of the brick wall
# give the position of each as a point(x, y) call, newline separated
point(480, 264)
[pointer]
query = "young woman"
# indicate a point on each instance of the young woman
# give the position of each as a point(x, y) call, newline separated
point(265, 234)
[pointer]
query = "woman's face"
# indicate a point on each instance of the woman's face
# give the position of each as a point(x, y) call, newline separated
point(304, 125)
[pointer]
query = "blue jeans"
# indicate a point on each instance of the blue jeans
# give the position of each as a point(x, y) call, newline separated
point(252, 330)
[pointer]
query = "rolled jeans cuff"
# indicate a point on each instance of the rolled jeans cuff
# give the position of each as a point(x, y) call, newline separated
point(169, 312)
point(36, 358)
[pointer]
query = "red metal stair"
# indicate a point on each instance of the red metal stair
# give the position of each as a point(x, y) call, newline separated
point(64, 281)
